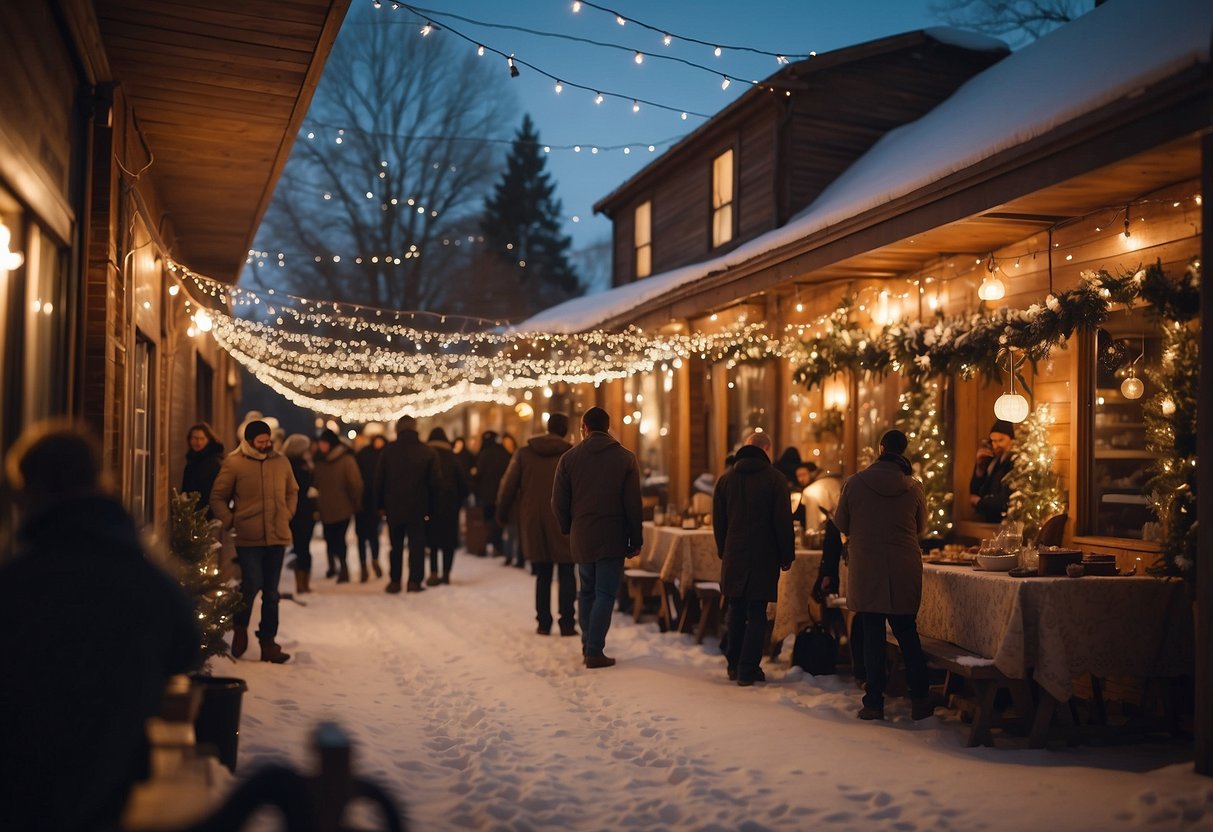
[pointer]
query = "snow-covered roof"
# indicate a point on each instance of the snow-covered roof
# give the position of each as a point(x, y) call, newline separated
point(1112, 52)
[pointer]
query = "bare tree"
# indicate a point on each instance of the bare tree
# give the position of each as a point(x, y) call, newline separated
point(1020, 21)
point(388, 169)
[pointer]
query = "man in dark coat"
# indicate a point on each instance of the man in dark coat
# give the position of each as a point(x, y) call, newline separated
point(752, 521)
point(90, 632)
point(303, 522)
point(527, 489)
point(596, 499)
point(443, 530)
point(491, 463)
point(883, 512)
point(407, 482)
point(988, 489)
point(367, 520)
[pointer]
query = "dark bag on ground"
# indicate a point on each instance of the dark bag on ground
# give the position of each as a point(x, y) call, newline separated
point(816, 650)
point(477, 536)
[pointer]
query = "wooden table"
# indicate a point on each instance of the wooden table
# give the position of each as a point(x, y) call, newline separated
point(680, 556)
point(1056, 629)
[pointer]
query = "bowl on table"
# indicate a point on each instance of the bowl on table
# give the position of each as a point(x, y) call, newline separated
point(997, 562)
point(1053, 560)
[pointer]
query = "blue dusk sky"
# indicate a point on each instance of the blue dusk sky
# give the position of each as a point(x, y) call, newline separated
point(572, 117)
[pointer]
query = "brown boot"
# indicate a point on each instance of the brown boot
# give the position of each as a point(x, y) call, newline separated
point(239, 641)
point(300, 583)
point(306, 578)
point(343, 575)
point(271, 652)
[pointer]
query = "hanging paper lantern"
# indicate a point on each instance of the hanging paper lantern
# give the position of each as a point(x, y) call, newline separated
point(1012, 407)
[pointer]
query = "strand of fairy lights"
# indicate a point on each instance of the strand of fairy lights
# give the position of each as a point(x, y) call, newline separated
point(340, 133)
point(638, 55)
point(513, 62)
point(668, 37)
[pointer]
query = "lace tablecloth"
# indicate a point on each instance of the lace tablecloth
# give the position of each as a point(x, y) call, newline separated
point(1060, 628)
point(680, 556)
point(791, 611)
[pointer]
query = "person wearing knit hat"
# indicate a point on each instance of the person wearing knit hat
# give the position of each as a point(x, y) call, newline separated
point(256, 494)
point(988, 491)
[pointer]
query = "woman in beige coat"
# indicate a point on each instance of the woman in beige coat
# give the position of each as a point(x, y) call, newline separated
point(337, 478)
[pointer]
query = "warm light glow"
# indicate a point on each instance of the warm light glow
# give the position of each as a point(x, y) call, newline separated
point(1012, 407)
point(524, 410)
point(9, 260)
point(203, 320)
point(1132, 388)
point(991, 289)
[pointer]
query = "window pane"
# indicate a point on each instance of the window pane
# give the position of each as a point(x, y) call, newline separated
point(1121, 462)
point(644, 224)
point(747, 393)
point(722, 225)
point(644, 261)
point(722, 179)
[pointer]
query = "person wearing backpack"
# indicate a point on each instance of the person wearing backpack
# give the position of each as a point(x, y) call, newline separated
point(752, 522)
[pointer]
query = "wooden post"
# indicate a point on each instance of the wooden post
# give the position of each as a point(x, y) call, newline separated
point(1204, 500)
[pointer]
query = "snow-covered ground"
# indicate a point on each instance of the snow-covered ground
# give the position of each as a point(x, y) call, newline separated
point(476, 722)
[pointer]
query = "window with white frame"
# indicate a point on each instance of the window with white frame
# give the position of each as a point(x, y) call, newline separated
point(722, 199)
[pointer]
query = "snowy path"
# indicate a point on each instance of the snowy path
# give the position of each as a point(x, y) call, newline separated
point(477, 722)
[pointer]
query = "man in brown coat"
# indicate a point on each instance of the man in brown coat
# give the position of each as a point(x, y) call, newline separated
point(596, 498)
point(527, 485)
point(260, 483)
point(883, 512)
point(752, 522)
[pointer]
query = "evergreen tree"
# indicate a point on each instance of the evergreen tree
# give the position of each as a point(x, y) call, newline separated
point(521, 224)
point(928, 452)
point(1036, 493)
point(192, 540)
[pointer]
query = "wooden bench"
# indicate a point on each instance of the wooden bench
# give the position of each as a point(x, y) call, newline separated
point(642, 586)
point(707, 594)
point(981, 673)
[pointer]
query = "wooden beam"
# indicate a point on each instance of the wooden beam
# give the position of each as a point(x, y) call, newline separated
point(1203, 728)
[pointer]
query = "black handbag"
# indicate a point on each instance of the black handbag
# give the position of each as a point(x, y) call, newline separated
point(816, 650)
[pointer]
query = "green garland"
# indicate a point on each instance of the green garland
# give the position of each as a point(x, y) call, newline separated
point(966, 345)
point(1171, 423)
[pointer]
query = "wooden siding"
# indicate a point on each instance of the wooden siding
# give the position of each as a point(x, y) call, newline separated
point(755, 202)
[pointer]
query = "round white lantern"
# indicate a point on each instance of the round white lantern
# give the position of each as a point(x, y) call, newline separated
point(991, 289)
point(1132, 388)
point(1012, 407)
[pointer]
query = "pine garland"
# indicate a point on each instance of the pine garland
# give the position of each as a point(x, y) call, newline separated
point(192, 540)
point(1171, 422)
point(1036, 492)
point(919, 420)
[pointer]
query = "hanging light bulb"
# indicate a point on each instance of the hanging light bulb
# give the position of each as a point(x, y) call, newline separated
point(716, 52)
point(9, 260)
point(620, 19)
point(427, 28)
point(576, 6)
point(559, 87)
point(597, 98)
point(1011, 406)
point(513, 69)
point(480, 51)
point(667, 39)
point(639, 57)
point(991, 288)
point(724, 85)
point(635, 106)
point(1131, 387)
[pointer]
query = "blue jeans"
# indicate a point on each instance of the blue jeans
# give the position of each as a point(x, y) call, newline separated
point(260, 569)
point(596, 601)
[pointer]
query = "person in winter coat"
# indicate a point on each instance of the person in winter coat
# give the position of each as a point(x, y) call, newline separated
point(787, 464)
point(90, 632)
point(510, 544)
point(260, 485)
point(407, 483)
point(752, 522)
point(202, 463)
point(303, 523)
point(596, 499)
point(988, 489)
point(526, 491)
point(491, 463)
point(367, 521)
point(336, 476)
point(466, 459)
point(883, 512)
point(442, 533)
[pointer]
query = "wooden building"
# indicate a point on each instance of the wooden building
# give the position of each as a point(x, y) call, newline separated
point(134, 133)
point(1089, 149)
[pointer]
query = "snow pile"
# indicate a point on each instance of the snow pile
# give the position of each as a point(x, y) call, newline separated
point(477, 722)
point(1112, 52)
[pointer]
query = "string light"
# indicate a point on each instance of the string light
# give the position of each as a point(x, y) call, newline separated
point(639, 57)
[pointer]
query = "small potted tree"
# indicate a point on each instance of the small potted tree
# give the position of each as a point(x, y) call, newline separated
point(192, 541)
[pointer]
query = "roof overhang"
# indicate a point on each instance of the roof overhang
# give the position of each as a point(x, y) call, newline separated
point(219, 92)
point(1110, 156)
